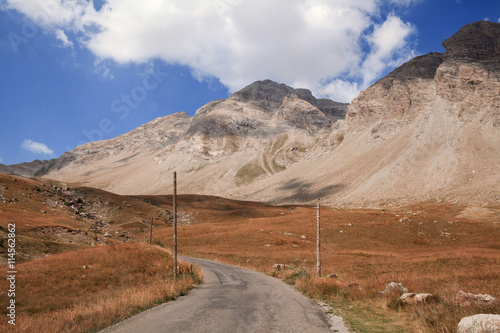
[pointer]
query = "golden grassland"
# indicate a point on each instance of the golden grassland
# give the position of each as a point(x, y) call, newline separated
point(438, 248)
point(89, 289)
point(432, 248)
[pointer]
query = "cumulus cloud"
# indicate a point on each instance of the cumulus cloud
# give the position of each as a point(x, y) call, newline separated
point(317, 44)
point(36, 147)
point(388, 48)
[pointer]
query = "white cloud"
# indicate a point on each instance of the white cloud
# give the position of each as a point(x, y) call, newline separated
point(318, 43)
point(499, 20)
point(1, 159)
point(70, 14)
point(63, 38)
point(344, 89)
point(36, 147)
point(388, 47)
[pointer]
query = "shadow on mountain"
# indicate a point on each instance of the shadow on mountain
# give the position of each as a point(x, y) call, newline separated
point(126, 159)
point(302, 191)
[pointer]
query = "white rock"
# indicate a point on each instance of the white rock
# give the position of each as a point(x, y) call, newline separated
point(415, 298)
point(392, 287)
point(481, 323)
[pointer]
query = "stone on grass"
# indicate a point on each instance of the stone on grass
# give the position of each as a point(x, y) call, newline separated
point(415, 298)
point(393, 287)
point(481, 323)
point(469, 299)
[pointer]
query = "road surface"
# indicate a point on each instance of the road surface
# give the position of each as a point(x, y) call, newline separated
point(232, 299)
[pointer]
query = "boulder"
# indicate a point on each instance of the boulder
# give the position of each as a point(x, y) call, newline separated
point(481, 323)
point(393, 287)
point(415, 298)
point(468, 299)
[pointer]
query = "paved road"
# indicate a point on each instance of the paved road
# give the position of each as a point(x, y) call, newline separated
point(232, 299)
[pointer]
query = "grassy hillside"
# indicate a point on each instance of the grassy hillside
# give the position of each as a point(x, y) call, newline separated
point(81, 259)
point(89, 289)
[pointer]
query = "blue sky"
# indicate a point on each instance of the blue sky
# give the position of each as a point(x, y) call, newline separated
point(79, 71)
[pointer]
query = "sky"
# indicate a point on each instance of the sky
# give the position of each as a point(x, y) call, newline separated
point(75, 71)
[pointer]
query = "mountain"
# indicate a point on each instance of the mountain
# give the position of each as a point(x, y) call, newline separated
point(257, 132)
point(428, 130)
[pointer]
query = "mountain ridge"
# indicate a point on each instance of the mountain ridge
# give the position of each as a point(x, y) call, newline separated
point(429, 130)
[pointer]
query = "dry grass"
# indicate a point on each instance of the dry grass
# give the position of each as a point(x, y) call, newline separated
point(427, 248)
point(90, 289)
point(434, 248)
point(52, 218)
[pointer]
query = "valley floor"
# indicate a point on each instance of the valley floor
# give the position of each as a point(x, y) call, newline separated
point(438, 248)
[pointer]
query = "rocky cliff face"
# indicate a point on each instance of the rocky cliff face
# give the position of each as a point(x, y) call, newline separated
point(429, 130)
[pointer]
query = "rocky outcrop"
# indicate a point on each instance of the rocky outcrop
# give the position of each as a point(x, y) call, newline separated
point(397, 93)
point(269, 96)
point(303, 115)
point(469, 69)
point(468, 299)
point(262, 108)
point(476, 41)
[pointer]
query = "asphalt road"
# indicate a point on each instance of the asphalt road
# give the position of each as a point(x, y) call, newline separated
point(232, 299)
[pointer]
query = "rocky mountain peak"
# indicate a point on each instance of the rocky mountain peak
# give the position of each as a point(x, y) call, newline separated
point(475, 41)
point(269, 96)
point(422, 67)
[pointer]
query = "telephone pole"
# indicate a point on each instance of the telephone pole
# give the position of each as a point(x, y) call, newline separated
point(318, 242)
point(175, 225)
point(151, 233)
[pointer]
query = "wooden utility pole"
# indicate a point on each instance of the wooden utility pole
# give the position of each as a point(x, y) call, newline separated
point(151, 233)
point(175, 225)
point(318, 242)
